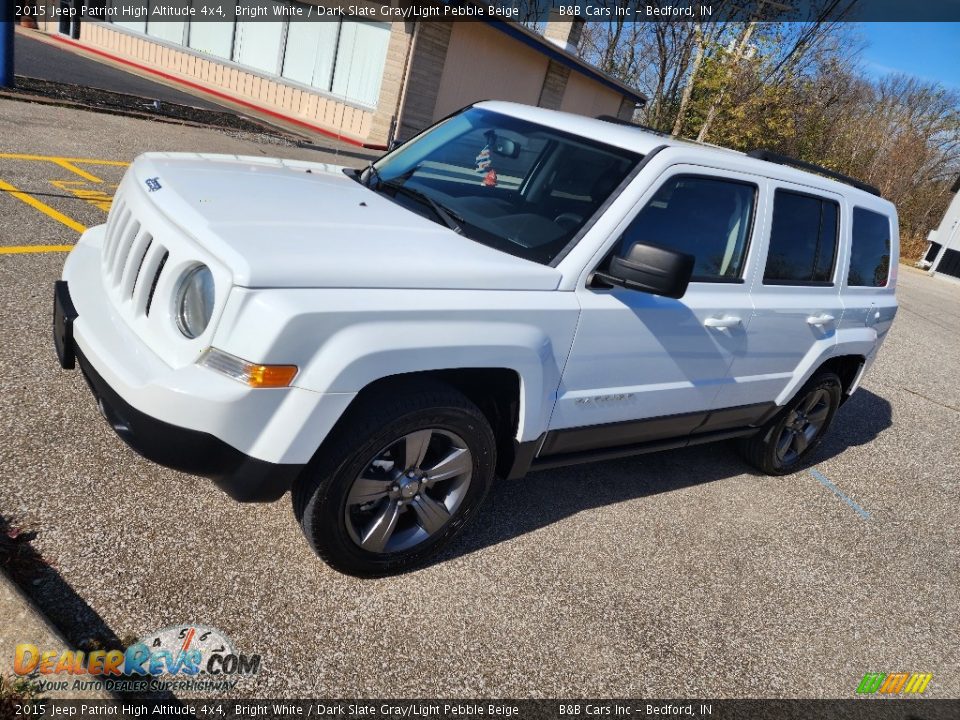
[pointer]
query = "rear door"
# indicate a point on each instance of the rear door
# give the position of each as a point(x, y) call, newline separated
point(796, 295)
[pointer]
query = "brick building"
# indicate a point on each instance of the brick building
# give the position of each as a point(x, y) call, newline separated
point(368, 82)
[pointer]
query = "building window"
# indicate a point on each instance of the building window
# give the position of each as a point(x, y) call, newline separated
point(258, 44)
point(311, 49)
point(345, 59)
point(361, 56)
point(870, 253)
point(803, 240)
point(133, 14)
point(169, 30)
point(212, 38)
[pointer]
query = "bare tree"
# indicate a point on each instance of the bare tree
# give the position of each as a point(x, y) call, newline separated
point(794, 87)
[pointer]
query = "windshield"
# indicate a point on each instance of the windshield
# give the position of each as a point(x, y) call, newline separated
point(516, 186)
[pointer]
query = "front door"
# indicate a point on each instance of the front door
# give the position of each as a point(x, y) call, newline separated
point(646, 368)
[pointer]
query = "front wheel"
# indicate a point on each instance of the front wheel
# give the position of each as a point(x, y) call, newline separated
point(396, 481)
point(787, 441)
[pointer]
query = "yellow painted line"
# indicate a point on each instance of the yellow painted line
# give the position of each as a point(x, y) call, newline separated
point(22, 249)
point(42, 207)
point(57, 158)
point(67, 165)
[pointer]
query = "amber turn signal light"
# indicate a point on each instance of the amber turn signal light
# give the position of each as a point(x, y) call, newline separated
point(252, 374)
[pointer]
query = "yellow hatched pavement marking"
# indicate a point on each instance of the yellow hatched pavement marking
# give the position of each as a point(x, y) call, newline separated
point(42, 207)
point(67, 165)
point(59, 159)
point(71, 164)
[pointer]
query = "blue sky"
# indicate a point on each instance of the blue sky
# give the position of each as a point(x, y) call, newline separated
point(928, 50)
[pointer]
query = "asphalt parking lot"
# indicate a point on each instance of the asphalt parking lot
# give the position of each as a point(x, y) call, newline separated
point(39, 57)
point(669, 575)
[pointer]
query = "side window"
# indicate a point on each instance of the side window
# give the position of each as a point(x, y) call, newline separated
point(709, 218)
point(803, 240)
point(870, 254)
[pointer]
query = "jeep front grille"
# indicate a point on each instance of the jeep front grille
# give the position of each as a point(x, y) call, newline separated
point(132, 260)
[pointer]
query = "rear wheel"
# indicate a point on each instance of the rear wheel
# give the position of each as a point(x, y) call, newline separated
point(787, 441)
point(396, 481)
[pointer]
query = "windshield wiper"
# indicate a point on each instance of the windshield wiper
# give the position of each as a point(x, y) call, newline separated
point(452, 220)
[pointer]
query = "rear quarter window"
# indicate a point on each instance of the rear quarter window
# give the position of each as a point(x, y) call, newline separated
point(870, 250)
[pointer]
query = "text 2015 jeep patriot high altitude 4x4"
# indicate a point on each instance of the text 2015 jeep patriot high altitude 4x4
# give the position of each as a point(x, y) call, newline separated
point(513, 289)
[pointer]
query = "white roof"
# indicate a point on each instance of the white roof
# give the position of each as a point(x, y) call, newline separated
point(642, 141)
point(629, 138)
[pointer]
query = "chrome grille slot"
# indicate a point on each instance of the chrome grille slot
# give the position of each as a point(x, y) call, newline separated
point(123, 251)
point(116, 210)
point(111, 221)
point(156, 279)
point(150, 269)
point(113, 241)
point(134, 262)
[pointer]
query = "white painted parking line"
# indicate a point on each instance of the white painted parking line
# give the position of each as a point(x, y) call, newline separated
point(823, 480)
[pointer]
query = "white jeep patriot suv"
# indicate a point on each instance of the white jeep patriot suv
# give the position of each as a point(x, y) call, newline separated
point(514, 289)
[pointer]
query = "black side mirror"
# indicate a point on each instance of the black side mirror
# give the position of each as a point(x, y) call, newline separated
point(651, 269)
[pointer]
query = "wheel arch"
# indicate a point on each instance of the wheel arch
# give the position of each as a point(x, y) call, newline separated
point(497, 391)
point(847, 368)
point(846, 365)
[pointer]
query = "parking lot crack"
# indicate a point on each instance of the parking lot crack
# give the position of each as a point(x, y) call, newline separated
point(935, 402)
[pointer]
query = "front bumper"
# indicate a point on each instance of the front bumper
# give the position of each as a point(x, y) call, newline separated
point(242, 477)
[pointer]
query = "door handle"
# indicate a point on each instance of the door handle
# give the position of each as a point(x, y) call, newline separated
point(820, 320)
point(727, 321)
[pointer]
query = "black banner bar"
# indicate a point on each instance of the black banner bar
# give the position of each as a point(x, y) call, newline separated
point(525, 11)
point(707, 709)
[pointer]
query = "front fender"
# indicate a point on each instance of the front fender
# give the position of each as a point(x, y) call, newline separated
point(361, 354)
point(343, 340)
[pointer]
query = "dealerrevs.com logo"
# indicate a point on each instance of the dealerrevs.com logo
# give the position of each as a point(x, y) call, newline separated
point(179, 657)
point(894, 683)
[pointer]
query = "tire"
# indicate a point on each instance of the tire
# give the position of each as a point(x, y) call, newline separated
point(786, 443)
point(375, 500)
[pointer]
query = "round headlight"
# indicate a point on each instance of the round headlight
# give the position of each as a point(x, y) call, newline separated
point(195, 301)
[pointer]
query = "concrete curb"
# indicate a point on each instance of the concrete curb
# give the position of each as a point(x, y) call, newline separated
point(24, 623)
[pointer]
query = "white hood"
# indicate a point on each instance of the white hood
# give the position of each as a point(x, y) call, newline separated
point(288, 223)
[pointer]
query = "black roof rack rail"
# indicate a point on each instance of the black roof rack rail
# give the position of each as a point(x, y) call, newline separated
point(620, 121)
point(779, 159)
